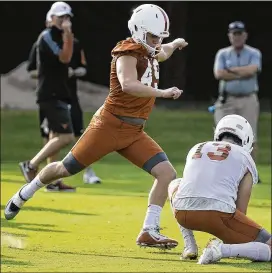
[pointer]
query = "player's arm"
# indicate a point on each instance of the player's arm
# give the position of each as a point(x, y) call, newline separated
point(244, 193)
point(128, 78)
point(219, 70)
point(167, 50)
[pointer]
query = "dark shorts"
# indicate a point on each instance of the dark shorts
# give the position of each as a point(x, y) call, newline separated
point(55, 116)
point(77, 119)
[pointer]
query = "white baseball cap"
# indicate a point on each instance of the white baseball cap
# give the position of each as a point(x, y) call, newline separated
point(60, 9)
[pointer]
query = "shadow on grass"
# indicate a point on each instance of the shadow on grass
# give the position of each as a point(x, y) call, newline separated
point(9, 180)
point(261, 206)
point(13, 262)
point(10, 261)
point(28, 226)
point(258, 266)
point(55, 211)
point(250, 266)
point(12, 233)
point(111, 256)
point(164, 252)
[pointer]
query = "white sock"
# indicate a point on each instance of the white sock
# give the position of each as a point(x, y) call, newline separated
point(152, 218)
point(89, 171)
point(254, 251)
point(29, 190)
point(188, 237)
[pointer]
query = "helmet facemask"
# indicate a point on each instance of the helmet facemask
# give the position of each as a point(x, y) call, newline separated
point(232, 137)
point(151, 50)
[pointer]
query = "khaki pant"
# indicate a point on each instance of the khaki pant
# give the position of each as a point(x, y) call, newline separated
point(247, 107)
point(231, 228)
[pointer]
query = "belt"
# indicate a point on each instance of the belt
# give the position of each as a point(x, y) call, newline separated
point(132, 120)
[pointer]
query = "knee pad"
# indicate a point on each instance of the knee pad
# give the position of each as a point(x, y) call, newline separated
point(263, 236)
point(153, 161)
point(72, 165)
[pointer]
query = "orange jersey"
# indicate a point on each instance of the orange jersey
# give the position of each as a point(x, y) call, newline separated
point(124, 104)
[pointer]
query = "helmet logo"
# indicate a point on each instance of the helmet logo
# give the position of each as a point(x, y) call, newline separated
point(228, 128)
point(239, 126)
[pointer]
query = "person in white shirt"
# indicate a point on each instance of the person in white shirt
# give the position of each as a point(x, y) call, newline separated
point(214, 193)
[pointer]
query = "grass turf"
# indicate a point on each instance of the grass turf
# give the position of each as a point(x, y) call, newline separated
point(95, 228)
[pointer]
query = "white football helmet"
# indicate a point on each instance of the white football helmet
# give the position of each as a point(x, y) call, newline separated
point(237, 126)
point(148, 18)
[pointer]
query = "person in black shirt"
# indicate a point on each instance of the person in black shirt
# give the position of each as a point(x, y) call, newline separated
point(54, 49)
point(77, 69)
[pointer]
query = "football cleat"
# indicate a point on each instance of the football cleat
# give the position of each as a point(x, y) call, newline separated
point(189, 253)
point(28, 172)
point(151, 237)
point(90, 177)
point(59, 186)
point(212, 253)
point(14, 205)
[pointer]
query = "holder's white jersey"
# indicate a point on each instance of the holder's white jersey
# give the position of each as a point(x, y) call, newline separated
point(214, 170)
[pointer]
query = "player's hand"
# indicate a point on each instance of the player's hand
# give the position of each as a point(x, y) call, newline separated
point(171, 93)
point(70, 72)
point(80, 71)
point(66, 25)
point(180, 43)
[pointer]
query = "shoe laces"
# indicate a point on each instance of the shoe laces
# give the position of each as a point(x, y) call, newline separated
point(157, 229)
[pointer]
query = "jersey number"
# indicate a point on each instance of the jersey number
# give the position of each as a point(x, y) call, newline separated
point(219, 152)
point(147, 77)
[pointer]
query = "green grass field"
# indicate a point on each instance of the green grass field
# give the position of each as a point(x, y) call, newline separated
point(95, 228)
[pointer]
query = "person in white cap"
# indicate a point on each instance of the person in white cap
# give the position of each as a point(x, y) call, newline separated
point(54, 49)
point(77, 68)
